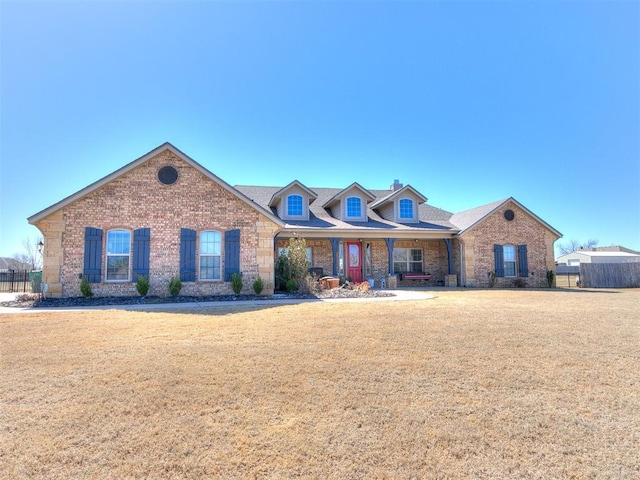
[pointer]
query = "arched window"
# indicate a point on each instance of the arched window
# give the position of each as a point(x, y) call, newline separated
point(210, 255)
point(294, 205)
point(405, 208)
point(118, 257)
point(354, 207)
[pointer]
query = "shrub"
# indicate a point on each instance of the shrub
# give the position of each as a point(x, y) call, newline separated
point(298, 259)
point(142, 285)
point(28, 297)
point(492, 279)
point(291, 285)
point(550, 276)
point(292, 264)
point(236, 283)
point(258, 286)
point(311, 284)
point(85, 288)
point(283, 271)
point(175, 285)
point(519, 283)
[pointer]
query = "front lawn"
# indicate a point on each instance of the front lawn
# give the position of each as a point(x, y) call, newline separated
point(471, 384)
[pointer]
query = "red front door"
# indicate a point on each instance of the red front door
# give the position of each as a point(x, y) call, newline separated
point(354, 261)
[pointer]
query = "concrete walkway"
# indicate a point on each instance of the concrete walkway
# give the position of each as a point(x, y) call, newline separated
point(398, 295)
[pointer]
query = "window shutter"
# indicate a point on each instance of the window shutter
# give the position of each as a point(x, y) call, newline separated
point(231, 253)
point(187, 255)
point(92, 254)
point(141, 239)
point(499, 260)
point(523, 263)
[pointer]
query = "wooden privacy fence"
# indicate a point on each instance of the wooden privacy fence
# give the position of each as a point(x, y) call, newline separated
point(610, 275)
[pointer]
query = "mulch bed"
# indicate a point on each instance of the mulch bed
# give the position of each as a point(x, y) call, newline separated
point(106, 301)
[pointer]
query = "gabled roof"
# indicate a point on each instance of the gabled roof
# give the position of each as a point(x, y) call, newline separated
point(467, 219)
point(394, 194)
point(368, 195)
point(7, 263)
point(275, 197)
point(601, 254)
point(130, 166)
point(432, 220)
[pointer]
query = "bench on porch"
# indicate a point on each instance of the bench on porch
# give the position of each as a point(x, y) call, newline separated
point(415, 276)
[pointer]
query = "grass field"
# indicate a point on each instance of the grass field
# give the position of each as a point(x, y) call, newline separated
point(471, 384)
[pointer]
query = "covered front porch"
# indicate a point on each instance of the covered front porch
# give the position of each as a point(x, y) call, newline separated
point(388, 261)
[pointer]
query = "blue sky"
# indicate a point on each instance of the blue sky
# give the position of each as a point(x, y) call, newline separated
point(469, 102)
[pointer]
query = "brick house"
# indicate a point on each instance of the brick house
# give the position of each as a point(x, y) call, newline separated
point(165, 215)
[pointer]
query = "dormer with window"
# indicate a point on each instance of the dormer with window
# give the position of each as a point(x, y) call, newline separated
point(292, 202)
point(350, 204)
point(401, 205)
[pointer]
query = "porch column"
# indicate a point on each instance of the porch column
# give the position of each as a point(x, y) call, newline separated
point(335, 243)
point(390, 242)
point(449, 245)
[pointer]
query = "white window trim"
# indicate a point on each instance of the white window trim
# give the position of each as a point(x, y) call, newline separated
point(107, 255)
point(201, 255)
point(411, 219)
point(302, 205)
point(363, 209)
point(514, 261)
point(407, 262)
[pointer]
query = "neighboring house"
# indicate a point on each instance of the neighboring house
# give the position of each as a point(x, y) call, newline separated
point(165, 215)
point(7, 264)
point(574, 259)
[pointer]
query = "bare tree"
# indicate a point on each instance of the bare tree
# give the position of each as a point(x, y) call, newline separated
point(30, 255)
point(575, 245)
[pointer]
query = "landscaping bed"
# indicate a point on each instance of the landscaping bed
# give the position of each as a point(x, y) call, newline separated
point(33, 300)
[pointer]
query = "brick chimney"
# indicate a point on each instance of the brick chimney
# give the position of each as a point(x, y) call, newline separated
point(396, 186)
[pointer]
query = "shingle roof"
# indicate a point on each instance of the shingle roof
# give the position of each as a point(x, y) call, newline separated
point(599, 253)
point(467, 218)
point(431, 218)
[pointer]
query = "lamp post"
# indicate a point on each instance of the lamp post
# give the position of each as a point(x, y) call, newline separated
point(43, 286)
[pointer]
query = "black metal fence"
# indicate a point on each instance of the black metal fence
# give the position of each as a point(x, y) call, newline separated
point(20, 281)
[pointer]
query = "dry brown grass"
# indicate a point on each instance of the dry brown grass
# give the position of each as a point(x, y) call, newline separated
point(471, 384)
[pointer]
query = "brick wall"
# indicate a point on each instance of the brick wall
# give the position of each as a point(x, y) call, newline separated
point(137, 199)
point(434, 254)
point(495, 229)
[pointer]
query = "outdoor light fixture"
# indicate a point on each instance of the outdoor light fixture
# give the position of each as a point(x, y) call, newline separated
point(40, 246)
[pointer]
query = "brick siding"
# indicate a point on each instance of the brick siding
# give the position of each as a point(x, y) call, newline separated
point(137, 199)
point(495, 229)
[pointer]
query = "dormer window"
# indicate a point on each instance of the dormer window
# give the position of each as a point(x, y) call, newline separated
point(294, 205)
point(354, 207)
point(405, 209)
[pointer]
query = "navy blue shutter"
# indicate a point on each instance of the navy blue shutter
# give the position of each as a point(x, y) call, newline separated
point(231, 253)
point(187, 255)
point(141, 238)
point(523, 263)
point(92, 254)
point(499, 260)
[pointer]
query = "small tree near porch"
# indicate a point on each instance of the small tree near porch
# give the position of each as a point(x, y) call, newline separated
point(293, 265)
